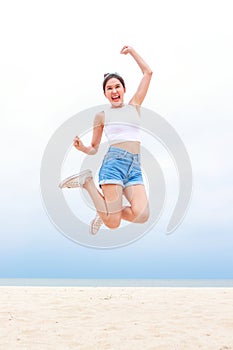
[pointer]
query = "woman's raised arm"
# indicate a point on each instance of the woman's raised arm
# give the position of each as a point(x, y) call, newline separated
point(141, 91)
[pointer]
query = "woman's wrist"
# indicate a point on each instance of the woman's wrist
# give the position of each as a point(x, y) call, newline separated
point(90, 150)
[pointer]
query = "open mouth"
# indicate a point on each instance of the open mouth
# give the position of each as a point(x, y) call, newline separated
point(116, 98)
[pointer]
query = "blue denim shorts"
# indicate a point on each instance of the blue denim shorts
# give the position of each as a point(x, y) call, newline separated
point(120, 167)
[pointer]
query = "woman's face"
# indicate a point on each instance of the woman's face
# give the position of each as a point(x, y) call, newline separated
point(114, 91)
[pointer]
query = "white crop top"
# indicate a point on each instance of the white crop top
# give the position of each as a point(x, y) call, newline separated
point(122, 124)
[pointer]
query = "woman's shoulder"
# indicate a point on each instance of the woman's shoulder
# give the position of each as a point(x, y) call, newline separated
point(99, 117)
point(135, 107)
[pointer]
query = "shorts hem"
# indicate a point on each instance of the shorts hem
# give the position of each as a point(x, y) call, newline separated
point(119, 182)
point(134, 183)
point(111, 182)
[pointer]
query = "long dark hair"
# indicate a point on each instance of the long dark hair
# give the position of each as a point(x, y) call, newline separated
point(108, 76)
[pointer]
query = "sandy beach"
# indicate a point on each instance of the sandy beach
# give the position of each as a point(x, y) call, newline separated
point(116, 318)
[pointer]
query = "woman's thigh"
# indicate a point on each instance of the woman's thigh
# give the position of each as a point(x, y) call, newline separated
point(113, 198)
point(137, 197)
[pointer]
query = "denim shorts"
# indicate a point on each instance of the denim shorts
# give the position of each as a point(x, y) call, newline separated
point(120, 167)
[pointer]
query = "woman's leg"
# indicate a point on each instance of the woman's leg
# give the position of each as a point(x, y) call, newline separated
point(139, 209)
point(108, 205)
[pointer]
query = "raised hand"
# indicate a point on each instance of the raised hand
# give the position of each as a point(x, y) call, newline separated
point(126, 49)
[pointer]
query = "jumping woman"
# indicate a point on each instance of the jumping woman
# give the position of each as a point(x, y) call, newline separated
point(120, 173)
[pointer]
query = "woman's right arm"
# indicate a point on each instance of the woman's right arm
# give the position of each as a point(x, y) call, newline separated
point(96, 137)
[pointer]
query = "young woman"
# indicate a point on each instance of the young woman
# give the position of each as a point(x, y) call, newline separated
point(120, 173)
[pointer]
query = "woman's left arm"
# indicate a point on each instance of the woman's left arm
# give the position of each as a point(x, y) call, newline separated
point(141, 91)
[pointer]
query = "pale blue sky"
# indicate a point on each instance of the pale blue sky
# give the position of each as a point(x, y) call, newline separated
point(53, 56)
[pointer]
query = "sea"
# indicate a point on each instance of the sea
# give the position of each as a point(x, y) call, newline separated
point(66, 282)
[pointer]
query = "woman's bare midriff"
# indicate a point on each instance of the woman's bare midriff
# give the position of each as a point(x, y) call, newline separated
point(130, 146)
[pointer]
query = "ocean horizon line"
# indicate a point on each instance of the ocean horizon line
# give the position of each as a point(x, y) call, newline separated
point(127, 282)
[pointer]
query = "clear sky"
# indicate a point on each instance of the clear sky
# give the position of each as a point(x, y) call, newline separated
point(53, 57)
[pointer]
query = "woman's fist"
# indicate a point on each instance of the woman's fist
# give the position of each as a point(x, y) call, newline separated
point(126, 49)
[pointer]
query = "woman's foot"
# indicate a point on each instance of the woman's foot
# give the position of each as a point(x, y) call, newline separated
point(77, 180)
point(96, 224)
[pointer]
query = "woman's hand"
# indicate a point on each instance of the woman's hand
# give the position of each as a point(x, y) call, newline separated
point(126, 49)
point(90, 150)
point(78, 144)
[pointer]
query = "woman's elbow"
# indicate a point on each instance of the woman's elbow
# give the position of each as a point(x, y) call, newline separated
point(149, 72)
point(95, 149)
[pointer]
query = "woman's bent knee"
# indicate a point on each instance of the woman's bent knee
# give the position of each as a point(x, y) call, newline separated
point(112, 221)
point(142, 216)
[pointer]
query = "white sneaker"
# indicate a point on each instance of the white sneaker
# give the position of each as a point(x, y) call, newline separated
point(96, 224)
point(77, 180)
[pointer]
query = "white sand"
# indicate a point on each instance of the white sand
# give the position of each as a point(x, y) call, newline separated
point(116, 318)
